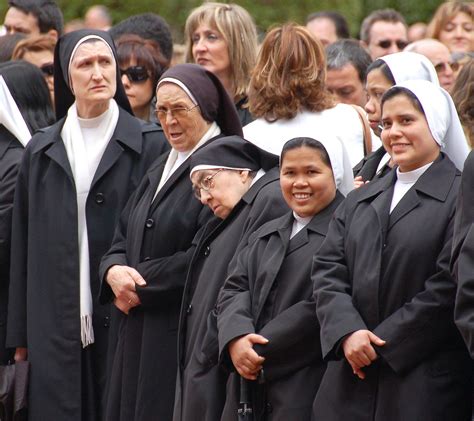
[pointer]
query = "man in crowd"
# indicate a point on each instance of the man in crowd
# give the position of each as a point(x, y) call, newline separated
point(347, 64)
point(440, 56)
point(34, 17)
point(328, 26)
point(384, 32)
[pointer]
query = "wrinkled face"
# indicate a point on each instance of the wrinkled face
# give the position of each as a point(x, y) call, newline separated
point(345, 84)
point(139, 93)
point(17, 21)
point(210, 50)
point(221, 189)
point(406, 135)
point(307, 183)
point(44, 60)
point(377, 85)
point(92, 74)
point(324, 30)
point(183, 129)
point(458, 34)
point(387, 38)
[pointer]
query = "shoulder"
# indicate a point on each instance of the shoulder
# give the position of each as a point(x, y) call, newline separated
point(272, 227)
point(45, 136)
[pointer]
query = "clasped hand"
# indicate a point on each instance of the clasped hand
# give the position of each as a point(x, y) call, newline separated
point(359, 351)
point(122, 280)
point(246, 361)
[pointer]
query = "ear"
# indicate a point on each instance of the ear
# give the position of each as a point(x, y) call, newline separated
point(53, 34)
point(244, 176)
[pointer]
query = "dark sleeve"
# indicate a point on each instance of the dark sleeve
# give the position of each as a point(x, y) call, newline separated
point(293, 341)
point(234, 311)
point(10, 164)
point(424, 324)
point(332, 287)
point(16, 319)
point(154, 141)
point(161, 274)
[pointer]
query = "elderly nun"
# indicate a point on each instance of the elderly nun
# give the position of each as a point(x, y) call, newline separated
point(145, 270)
point(239, 183)
point(382, 285)
point(74, 180)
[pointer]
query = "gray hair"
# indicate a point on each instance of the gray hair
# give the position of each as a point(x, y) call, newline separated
point(348, 51)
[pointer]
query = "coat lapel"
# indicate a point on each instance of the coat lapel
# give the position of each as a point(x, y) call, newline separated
point(57, 153)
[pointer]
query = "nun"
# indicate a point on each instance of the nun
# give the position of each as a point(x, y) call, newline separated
point(144, 272)
point(239, 183)
point(382, 74)
point(24, 108)
point(382, 285)
point(74, 180)
point(266, 317)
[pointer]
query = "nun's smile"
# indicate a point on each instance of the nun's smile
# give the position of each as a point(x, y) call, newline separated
point(406, 135)
point(307, 183)
point(180, 118)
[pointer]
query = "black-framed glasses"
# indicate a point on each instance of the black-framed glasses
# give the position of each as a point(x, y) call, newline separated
point(47, 69)
point(386, 43)
point(178, 112)
point(442, 66)
point(135, 74)
point(206, 184)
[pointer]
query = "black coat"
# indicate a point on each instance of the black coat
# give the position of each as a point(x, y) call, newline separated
point(156, 238)
point(200, 390)
point(44, 305)
point(367, 167)
point(269, 292)
point(11, 151)
point(389, 273)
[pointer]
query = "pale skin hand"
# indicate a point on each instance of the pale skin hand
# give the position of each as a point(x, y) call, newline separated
point(246, 361)
point(122, 280)
point(358, 181)
point(359, 351)
point(21, 354)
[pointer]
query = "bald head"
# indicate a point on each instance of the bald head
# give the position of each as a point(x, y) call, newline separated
point(439, 55)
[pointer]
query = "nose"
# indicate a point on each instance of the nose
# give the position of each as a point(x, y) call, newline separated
point(125, 81)
point(393, 48)
point(97, 72)
point(300, 180)
point(393, 131)
point(205, 197)
point(369, 106)
point(459, 32)
point(170, 118)
point(200, 45)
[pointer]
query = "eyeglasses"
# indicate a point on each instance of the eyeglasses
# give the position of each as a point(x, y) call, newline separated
point(47, 69)
point(386, 43)
point(440, 67)
point(135, 74)
point(177, 113)
point(206, 184)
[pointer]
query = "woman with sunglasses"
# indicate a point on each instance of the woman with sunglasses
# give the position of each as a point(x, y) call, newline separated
point(141, 65)
point(75, 179)
point(25, 108)
point(145, 270)
point(268, 330)
point(382, 283)
point(239, 183)
point(38, 50)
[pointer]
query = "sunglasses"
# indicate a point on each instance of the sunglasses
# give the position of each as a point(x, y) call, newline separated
point(442, 66)
point(135, 74)
point(386, 43)
point(47, 69)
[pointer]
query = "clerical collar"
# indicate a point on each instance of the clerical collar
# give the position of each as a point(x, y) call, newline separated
point(410, 177)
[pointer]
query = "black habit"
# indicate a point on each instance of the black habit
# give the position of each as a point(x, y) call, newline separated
point(269, 292)
point(389, 273)
point(155, 236)
point(44, 305)
point(11, 151)
point(201, 383)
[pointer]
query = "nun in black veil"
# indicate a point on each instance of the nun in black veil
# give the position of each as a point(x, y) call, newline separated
point(75, 179)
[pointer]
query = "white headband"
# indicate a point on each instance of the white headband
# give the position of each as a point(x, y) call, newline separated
point(180, 84)
point(214, 167)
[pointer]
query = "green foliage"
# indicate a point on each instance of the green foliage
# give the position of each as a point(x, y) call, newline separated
point(265, 12)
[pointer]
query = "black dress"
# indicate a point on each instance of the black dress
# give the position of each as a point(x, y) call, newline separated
point(155, 236)
point(66, 381)
point(389, 273)
point(269, 292)
point(200, 391)
point(11, 151)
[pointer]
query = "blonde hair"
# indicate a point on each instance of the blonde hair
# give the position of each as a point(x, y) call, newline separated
point(445, 13)
point(290, 75)
point(237, 27)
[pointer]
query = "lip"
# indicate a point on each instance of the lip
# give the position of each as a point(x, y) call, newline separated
point(301, 196)
point(399, 147)
point(98, 87)
point(374, 124)
point(202, 61)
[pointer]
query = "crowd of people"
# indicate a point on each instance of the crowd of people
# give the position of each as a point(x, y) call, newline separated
point(277, 230)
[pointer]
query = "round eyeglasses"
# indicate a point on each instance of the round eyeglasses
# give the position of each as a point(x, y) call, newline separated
point(177, 113)
point(206, 184)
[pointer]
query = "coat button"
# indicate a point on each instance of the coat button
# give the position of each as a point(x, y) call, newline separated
point(207, 252)
point(106, 321)
point(269, 408)
point(189, 309)
point(149, 223)
point(99, 198)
